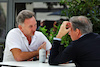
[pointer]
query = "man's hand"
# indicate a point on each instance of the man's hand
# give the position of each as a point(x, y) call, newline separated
point(42, 46)
point(30, 59)
point(64, 29)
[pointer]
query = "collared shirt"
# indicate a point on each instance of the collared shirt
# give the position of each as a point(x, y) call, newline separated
point(16, 39)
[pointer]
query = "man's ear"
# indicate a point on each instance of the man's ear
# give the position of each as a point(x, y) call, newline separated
point(78, 32)
point(20, 27)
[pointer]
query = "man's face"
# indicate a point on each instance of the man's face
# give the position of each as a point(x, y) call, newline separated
point(29, 26)
point(74, 34)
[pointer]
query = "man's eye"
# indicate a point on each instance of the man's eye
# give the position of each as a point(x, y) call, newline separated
point(30, 26)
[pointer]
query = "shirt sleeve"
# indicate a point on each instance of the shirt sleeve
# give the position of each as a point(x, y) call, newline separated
point(57, 57)
point(13, 41)
point(48, 44)
point(57, 39)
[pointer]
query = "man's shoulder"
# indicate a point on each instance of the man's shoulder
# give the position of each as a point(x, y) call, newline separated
point(91, 37)
point(14, 31)
point(38, 33)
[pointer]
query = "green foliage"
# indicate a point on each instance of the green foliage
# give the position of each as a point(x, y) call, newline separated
point(89, 8)
point(44, 31)
point(53, 33)
point(65, 40)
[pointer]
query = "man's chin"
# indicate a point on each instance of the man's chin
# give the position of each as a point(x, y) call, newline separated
point(33, 33)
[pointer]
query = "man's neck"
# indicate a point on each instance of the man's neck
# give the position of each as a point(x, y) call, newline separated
point(29, 40)
point(28, 37)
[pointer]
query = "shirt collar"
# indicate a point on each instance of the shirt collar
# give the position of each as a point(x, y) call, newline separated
point(21, 33)
point(25, 36)
point(82, 35)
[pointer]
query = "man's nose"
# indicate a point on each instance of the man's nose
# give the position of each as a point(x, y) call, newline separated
point(34, 28)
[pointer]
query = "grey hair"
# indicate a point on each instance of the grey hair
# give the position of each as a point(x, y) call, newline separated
point(24, 14)
point(82, 23)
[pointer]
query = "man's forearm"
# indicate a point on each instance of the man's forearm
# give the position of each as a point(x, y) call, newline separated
point(58, 36)
point(54, 52)
point(28, 55)
point(21, 56)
